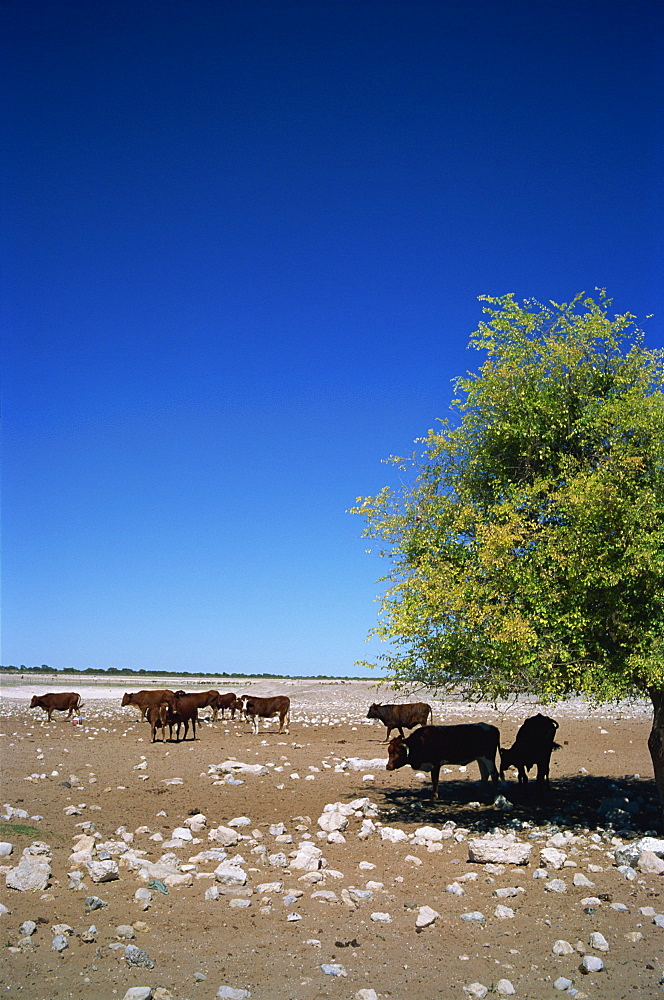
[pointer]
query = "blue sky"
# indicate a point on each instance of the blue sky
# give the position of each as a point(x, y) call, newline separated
point(243, 244)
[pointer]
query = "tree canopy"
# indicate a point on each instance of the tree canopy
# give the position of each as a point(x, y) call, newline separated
point(526, 538)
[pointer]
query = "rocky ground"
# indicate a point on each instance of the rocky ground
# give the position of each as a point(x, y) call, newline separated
point(313, 872)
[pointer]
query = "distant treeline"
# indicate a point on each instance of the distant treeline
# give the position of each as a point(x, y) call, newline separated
point(128, 672)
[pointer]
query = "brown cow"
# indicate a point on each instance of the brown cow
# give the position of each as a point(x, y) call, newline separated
point(204, 699)
point(159, 716)
point(223, 702)
point(183, 709)
point(400, 716)
point(63, 701)
point(143, 699)
point(266, 708)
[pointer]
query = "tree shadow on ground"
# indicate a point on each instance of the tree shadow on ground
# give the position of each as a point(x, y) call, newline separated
point(570, 803)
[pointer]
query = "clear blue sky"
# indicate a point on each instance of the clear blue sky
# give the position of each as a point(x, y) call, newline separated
point(243, 244)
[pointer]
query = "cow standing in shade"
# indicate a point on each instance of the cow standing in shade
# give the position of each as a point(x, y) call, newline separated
point(432, 746)
point(401, 716)
point(534, 744)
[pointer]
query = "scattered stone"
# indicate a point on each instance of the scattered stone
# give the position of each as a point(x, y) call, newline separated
point(5, 849)
point(562, 983)
point(562, 947)
point(366, 995)
point(382, 918)
point(392, 835)
point(474, 917)
point(89, 936)
point(125, 931)
point(138, 958)
point(138, 993)
point(229, 993)
point(556, 885)
point(27, 928)
point(476, 990)
point(505, 988)
point(103, 870)
point(499, 850)
point(426, 915)
point(59, 942)
point(590, 963)
point(334, 969)
point(32, 874)
point(598, 941)
point(503, 912)
point(94, 903)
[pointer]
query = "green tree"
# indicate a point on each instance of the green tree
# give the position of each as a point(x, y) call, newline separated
point(526, 540)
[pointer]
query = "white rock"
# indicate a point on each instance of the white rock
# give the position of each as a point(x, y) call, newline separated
point(505, 988)
point(562, 983)
point(366, 995)
point(598, 941)
point(103, 871)
point(425, 834)
point(333, 820)
point(556, 885)
point(582, 881)
point(5, 849)
point(138, 993)
point(381, 918)
point(31, 874)
point(358, 764)
point(334, 969)
point(476, 990)
point(392, 835)
point(590, 963)
point(426, 916)
point(650, 863)
point(562, 947)
point(229, 993)
point(224, 835)
point(503, 912)
point(455, 889)
point(552, 858)
point(499, 850)
point(474, 917)
point(228, 874)
point(183, 833)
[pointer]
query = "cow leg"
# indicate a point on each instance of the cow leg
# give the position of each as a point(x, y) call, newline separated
point(523, 776)
point(255, 724)
point(435, 774)
point(284, 718)
point(49, 712)
point(193, 725)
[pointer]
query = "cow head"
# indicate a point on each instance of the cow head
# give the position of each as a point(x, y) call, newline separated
point(397, 753)
point(35, 701)
point(506, 761)
point(373, 711)
point(126, 699)
point(180, 694)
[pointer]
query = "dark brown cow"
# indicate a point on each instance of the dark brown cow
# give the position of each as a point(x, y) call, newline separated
point(431, 746)
point(63, 701)
point(400, 716)
point(534, 744)
point(159, 716)
point(182, 710)
point(143, 699)
point(223, 702)
point(266, 708)
point(203, 699)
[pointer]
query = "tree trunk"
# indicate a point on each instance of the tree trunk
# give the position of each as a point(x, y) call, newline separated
point(656, 741)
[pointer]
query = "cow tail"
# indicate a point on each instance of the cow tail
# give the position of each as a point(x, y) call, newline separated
point(79, 703)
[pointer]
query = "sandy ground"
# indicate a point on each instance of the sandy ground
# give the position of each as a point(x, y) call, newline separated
point(117, 780)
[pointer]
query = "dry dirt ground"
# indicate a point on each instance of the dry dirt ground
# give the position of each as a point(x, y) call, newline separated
point(116, 778)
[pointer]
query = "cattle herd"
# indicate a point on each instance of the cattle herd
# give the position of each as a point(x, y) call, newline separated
point(427, 748)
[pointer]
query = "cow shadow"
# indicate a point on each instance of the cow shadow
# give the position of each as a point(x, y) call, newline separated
point(626, 806)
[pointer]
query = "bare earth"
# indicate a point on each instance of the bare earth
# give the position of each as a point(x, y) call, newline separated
point(118, 780)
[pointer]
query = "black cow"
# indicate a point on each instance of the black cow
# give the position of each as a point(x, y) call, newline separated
point(400, 716)
point(431, 746)
point(534, 744)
